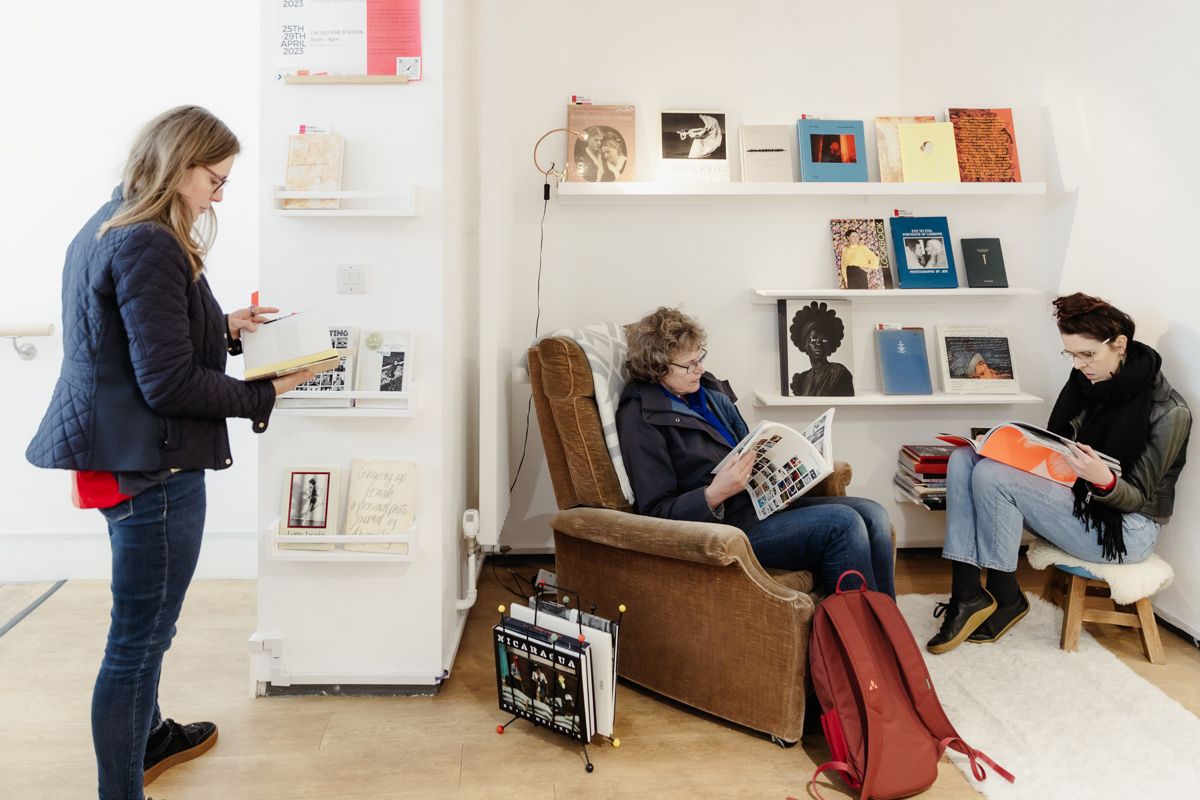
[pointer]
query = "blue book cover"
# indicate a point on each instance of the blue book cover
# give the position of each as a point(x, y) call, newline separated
point(924, 254)
point(832, 150)
point(903, 362)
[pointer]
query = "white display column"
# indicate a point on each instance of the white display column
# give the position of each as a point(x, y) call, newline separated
point(343, 618)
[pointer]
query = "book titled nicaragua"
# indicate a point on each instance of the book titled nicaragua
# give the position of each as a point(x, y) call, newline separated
point(831, 150)
point(903, 361)
point(924, 254)
point(544, 678)
point(984, 264)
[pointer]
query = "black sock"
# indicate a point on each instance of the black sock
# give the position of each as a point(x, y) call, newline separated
point(965, 583)
point(1004, 587)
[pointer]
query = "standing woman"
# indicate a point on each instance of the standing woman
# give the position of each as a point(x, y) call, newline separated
point(139, 412)
point(1117, 402)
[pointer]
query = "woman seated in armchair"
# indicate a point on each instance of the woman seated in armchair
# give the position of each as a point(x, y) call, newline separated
point(1116, 401)
point(676, 422)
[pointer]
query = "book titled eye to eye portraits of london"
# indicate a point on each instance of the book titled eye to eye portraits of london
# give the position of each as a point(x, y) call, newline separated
point(787, 462)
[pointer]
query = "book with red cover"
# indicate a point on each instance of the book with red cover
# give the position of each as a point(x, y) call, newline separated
point(937, 468)
point(928, 453)
point(986, 143)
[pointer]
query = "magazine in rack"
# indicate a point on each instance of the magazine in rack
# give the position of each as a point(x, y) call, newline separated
point(788, 462)
point(1030, 448)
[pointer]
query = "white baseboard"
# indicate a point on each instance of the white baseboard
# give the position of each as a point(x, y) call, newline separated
point(86, 556)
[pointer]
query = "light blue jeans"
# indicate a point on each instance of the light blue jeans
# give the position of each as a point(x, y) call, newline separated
point(988, 504)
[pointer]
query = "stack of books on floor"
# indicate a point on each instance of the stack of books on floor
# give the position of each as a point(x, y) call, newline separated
point(557, 667)
point(921, 474)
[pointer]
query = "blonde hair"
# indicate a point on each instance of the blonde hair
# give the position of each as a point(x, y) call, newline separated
point(170, 145)
point(656, 338)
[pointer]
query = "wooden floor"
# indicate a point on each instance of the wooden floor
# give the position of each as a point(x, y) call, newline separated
point(444, 746)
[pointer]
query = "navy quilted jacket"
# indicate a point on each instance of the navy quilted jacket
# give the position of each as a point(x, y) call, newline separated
point(143, 385)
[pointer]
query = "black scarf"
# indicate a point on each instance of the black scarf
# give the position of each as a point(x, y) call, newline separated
point(1117, 424)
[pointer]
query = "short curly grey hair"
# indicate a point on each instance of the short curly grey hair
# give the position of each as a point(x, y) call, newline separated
point(657, 338)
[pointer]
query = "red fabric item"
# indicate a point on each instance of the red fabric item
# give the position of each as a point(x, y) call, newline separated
point(884, 722)
point(91, 489)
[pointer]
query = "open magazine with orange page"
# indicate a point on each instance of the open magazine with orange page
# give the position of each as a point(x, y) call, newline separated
point(1030, 448)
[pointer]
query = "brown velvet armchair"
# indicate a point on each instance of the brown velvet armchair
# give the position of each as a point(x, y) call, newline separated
point(706, 624)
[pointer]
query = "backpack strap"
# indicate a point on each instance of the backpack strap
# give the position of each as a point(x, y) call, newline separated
point(920, 687)
point(814, 787)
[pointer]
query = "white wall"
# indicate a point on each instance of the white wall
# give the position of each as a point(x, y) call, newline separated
point(768, 62)
point(74, 98)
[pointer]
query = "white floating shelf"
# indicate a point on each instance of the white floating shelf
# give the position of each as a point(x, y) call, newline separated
point(891, 295)
point(275, 553)
point(879, 399)
point(382, 404)
point(644, 191)
point(399, 202)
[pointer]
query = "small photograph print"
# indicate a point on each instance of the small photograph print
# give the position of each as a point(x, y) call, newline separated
point(688, 135)
point(602, 157)
point(832, 148)
point(985, 358)
point(391, 373)
point(308, 500)
point(925, 253)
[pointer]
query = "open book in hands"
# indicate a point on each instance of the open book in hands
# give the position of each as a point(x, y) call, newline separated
point(1029, 448)
point(787, 462)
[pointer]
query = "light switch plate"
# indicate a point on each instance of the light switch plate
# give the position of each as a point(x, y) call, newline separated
point(351, 278)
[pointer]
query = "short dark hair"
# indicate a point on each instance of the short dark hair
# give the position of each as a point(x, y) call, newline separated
point(1084, 315)
point(656, 338)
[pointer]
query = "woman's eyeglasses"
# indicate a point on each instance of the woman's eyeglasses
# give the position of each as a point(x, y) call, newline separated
point(692, 366)
point(220, 181)
point(1084, 357)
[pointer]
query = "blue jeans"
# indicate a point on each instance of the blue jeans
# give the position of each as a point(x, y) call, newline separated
point(829, 535)
point(988, 504)
point(155, 539)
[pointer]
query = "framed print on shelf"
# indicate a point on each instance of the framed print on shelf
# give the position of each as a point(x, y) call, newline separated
point(310, 503)
point(976, 359)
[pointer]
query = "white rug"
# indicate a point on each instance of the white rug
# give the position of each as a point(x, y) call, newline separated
point(1076, 725)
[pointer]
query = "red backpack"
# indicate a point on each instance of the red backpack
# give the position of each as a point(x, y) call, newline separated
point(881, 716)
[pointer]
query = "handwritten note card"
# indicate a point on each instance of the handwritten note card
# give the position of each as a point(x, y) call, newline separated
point(382, 497)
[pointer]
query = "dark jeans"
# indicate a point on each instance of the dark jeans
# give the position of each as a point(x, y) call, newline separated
point(155, 539)
point(829, 535)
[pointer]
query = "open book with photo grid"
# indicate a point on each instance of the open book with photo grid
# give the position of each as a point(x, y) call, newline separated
point(787, 462)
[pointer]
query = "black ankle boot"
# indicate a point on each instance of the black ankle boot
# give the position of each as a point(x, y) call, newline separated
point(1001, 621)
point(961, 618)
point(179, 744)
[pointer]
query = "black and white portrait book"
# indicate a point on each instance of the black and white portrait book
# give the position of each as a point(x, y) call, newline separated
point(695, 147)
point(384, 365)
point(816, 351)
point(976, 359)
point(310, 505)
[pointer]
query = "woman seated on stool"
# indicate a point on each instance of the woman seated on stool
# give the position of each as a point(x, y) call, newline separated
point(1117, 402)
point(675, 422)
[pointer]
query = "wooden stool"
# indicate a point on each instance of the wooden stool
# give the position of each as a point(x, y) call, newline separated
point(1087, 597)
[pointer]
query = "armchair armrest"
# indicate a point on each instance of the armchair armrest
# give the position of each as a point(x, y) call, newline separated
point(707, 543)
point(835, 484)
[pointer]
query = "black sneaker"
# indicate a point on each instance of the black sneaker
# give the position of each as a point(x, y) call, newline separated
point(961, 620)
point(181, 743)
point(1001, 620)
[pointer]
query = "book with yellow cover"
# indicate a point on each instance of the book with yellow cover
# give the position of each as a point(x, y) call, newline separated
point(314, 164)
point(887, 140)
point(927, 153)
point(288, 344)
